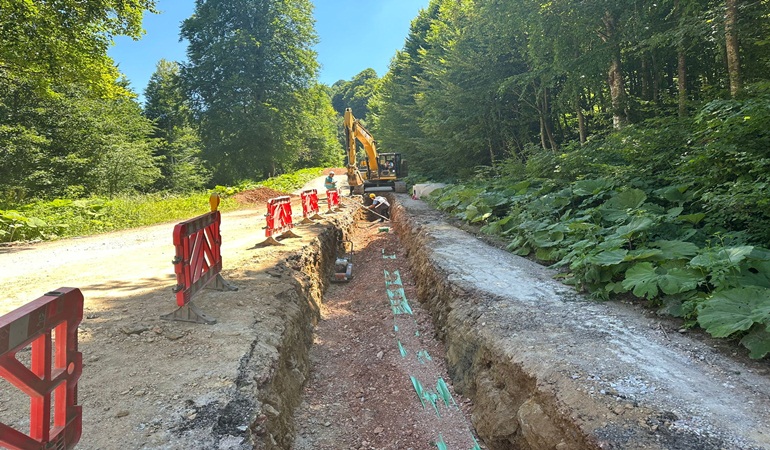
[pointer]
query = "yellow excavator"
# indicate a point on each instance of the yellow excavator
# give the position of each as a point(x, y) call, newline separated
point(378, 169)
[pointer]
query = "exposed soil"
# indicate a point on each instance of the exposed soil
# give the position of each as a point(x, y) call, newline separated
point(297, 362)
point(257, 196)
point(360, 394)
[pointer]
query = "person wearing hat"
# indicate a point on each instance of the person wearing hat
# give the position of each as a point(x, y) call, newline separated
point(381, 206)
point(329, 182)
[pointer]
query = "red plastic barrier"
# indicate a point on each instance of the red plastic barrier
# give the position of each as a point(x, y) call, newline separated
point(278, 216)
point(198, 261)
point(198, 254)
point(309, 206)
point(279, 220)
point(333, 200)
point(56, 366)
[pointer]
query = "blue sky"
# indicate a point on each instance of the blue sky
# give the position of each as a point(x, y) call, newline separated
point(354, 35)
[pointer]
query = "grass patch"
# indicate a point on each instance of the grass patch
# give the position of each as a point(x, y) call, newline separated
point(62, 218)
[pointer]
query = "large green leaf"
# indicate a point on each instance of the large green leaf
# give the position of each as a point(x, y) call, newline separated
point(756, 274)
point(692, 218)
point(547, 238)
point(630, 199)
point(673, 193)
point(590, 187)
point(609, 257)
point(676, 249)
point(34, 222)
point(722, 256)
point(642, 279)
point(678, 280)
point(643, 253)
point(734, 310)
point(757, 341)
point(637, 225)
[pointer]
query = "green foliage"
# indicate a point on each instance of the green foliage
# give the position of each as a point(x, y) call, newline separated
point(178, 152)
point(289, 182)
point(355, 94)
point(251, 65)
point(611, 241)
point(52, 145)
point(62, 218)
point(49, 44)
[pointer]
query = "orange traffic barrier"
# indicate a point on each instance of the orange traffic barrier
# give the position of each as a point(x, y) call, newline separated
point(279, 221)
point(310, 206)
point(197, 263)
point(50, 325)
point(333, 200)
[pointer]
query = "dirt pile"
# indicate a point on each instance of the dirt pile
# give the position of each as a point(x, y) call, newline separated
point(257, 196)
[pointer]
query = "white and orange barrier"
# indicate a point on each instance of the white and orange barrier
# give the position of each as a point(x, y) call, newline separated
point(310, 206)
point(333, 200)
point(279, 221)
point(50, 326)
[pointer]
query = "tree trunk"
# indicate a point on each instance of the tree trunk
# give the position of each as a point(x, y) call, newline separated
point(581, 122)
point(681, 65)
point(645, 78)
point(682, 80)
point(615, 75)
point(731, 46)
point(546, 121)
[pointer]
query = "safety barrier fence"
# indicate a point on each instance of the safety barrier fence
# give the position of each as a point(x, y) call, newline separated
point(309, 206)
point(198, 263)
point(333, 200)
point(50, 325)
point(279, 221)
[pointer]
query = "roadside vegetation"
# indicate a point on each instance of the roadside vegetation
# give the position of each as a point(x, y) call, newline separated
point(623, 143)
point(61, 218)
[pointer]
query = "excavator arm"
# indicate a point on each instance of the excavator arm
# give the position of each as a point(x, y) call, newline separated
point(381, 169)
point(355, 131)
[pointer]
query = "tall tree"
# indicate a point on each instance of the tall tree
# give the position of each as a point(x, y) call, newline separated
point(356, 93)
point(73, 144)
point(178, 150)
point(64, 41)
point(732, 48)
point(249, 64)
point(395, 122)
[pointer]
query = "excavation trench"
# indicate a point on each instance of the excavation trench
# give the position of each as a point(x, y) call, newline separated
point(533, 365)
point(518, 361)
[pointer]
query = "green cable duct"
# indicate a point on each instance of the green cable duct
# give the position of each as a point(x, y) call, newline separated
point(400, 306)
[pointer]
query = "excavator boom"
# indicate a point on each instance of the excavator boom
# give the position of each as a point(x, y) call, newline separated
point(379, 169)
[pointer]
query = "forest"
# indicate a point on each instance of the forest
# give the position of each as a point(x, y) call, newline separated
point(623, 142)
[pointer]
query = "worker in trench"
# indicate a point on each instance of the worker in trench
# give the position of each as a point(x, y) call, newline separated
point(381, 206)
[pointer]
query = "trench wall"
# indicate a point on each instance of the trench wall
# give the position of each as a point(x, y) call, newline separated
point(547, 369)
point(510, 411)
point(278, 391)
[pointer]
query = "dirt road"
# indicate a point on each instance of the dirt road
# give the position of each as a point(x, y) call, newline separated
point(545, 368)
point(149, 383)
